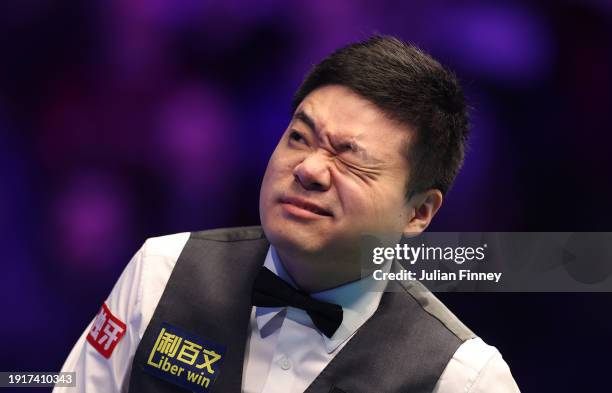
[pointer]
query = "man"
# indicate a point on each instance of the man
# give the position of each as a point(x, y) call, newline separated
point(376, 138)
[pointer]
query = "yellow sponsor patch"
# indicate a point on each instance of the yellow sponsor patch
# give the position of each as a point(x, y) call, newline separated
point(184, 359)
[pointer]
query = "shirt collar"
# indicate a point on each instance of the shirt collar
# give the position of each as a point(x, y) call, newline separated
point(358, 299)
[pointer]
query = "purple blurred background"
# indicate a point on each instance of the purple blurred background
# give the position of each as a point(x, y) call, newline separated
point(123, 119)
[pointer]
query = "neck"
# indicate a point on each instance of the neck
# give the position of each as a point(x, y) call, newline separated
point(320, 271)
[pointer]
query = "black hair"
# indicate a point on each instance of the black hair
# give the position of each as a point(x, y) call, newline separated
point(412, 88)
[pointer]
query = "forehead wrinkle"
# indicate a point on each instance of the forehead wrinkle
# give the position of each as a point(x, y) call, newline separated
point(340, 139)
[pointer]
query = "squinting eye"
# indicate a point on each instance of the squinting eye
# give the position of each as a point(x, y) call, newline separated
point(296, 136)
point(345, 147)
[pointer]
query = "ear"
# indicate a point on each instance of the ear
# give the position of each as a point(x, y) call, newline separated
point(423, 207)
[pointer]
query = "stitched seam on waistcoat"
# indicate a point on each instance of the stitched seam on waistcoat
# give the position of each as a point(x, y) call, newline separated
point(226, 235)
point(459, 330)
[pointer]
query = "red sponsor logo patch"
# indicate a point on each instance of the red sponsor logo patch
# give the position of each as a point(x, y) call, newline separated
point(106, 332)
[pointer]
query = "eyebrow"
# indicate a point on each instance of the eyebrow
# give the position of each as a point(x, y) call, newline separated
point(354, 146)
point(301, 115)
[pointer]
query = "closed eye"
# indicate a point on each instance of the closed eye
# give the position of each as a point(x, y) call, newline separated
point(365, 172)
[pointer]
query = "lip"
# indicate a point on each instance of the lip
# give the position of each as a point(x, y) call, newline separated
point(304, 208)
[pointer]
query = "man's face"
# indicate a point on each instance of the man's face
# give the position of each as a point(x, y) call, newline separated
point(336, 173)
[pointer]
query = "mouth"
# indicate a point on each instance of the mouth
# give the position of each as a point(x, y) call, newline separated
point(304, 208)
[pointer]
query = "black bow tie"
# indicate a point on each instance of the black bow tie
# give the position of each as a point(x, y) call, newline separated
point(271, 291)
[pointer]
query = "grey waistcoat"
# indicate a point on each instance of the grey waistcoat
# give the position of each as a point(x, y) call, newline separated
point(403, 347)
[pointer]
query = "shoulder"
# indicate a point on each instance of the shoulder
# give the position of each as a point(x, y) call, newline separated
point(154, 262)
point(165, 246)
point(171, 246)
point(143, 281)
point(146, 276)
point(476, 367)
point(133, 301)
point(157, 257)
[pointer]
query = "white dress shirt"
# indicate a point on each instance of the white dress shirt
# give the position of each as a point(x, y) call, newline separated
point(284, 353)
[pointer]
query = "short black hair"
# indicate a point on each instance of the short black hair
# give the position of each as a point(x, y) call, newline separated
point(412, 88)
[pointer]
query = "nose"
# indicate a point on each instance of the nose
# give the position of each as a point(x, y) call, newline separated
point(313, 173)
